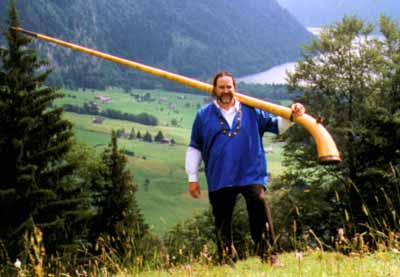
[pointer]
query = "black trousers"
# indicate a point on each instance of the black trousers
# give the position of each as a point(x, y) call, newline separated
point(260, 220)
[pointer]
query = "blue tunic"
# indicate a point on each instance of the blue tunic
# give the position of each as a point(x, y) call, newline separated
point(237, 160)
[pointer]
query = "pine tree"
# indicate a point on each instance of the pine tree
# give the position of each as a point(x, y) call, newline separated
point(33, 142)
point(119, 215)
point(147, 137)
point(159, 137)
point(132, 134)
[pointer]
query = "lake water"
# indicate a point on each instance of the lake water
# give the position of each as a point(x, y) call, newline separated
point(275, 75)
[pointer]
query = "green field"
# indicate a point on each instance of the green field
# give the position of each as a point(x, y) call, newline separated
point(158, 169)
point(309, 264)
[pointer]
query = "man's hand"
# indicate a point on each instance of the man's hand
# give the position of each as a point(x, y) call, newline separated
point(298, 109)
point(194, 189)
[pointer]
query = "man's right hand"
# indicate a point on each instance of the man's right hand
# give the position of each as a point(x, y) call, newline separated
point(194, 189)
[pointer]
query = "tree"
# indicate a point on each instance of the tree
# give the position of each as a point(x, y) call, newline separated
point(33, 143)
point(159, 137)
point(132, 134)
point(147, 137)
point(350, 79)
point(119, 216)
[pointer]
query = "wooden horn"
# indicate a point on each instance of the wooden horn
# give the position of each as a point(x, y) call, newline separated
point(326, 147)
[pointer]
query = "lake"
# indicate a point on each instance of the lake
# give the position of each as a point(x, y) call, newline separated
point(277, 74)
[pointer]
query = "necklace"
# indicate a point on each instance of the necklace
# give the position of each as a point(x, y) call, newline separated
point(225, 130)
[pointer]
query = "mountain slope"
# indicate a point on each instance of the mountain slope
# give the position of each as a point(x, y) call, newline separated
point(194, 38)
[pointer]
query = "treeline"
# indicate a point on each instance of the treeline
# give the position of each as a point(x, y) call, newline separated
point(88, 108)
point(274, 93)
point(145, 136)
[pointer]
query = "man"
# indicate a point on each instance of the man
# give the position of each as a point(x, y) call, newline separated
point(227, 136)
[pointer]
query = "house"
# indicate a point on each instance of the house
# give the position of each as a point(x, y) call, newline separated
point(165, 141)
point(98, 120)
point(104, 99)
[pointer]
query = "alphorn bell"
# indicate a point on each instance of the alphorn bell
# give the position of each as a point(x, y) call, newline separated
point(326, 147)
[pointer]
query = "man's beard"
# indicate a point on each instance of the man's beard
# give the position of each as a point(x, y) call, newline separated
point(226, 98)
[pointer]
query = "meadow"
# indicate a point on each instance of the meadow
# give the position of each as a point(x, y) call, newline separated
point(313, 263)
point(157, 169)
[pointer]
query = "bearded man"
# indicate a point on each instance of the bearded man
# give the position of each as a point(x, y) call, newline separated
point(227, 136)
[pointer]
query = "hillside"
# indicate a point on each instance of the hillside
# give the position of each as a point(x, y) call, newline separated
point(195, 38)
point(158, 169)
point(313, 13)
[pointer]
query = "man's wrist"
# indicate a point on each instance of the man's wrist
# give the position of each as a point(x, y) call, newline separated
point(193, 178)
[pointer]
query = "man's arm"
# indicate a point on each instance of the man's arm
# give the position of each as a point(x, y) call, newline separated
point(192, 164)
point(284, 124)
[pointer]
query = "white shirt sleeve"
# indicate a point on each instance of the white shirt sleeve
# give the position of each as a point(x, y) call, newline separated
point(283, 124)
point(192, 164)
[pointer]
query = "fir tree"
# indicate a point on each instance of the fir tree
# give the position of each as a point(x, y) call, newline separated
point(33, 142)
point(132, 134)
point(119, 215)
point(159, 137)
point(147, 137)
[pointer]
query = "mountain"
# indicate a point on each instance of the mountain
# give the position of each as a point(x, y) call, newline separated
point(315, 13)
point(193, 38)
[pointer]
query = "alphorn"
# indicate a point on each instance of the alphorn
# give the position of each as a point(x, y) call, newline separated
point(326, 147)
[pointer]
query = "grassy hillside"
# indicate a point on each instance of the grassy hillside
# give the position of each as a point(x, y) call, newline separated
point(310, 264)
point(158, 169)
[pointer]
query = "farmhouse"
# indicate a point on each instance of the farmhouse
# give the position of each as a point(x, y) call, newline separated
point(98, 120)
point(104, 99)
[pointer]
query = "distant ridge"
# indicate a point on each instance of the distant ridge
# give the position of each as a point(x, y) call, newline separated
point(193, 38)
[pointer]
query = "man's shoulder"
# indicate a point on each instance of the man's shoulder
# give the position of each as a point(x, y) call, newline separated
point(248, 108)
point(210, 107)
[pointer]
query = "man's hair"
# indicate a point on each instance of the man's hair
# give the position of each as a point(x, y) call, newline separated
point(219, 75)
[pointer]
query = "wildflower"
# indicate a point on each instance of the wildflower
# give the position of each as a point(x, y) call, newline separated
point(341, 232)
point(17, 263)
point(299, 255)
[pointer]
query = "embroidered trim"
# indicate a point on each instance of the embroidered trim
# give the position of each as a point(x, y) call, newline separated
point(226, 131)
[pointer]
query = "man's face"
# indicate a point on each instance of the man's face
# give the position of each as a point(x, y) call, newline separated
point(224, 90)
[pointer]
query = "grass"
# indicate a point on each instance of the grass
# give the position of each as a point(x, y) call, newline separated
point(166, 106)
point(310, 264)
point(157, 169)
